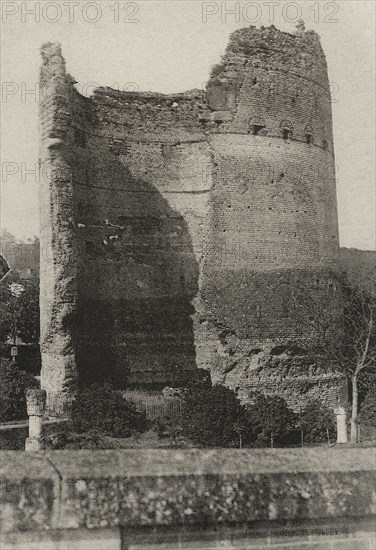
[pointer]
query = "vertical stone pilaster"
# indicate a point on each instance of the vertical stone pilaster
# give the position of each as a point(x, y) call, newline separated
point(341, 424)
point(36, 401)
point(58, 249)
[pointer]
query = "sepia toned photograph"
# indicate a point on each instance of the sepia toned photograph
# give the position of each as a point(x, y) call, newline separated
point(187, 275)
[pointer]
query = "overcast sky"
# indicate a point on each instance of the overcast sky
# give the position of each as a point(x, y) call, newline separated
point(170, 47)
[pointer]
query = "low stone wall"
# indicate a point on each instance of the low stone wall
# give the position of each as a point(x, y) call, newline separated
point(192, 499)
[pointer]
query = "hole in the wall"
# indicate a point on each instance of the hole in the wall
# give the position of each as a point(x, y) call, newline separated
point(278, 350)
point(325, 144)
point(309, 139)
point(256, 129)
point(286, 129)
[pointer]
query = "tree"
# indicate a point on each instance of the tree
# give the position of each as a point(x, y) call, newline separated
point(19, 309)
point(368, 407)
point(317, 422)
point(4, 268)
point(6, 315)
point(270, 417)
point(14, 383)
point(28, 319)
point(348, 341)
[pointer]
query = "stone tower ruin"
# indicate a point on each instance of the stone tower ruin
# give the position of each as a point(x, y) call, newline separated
point(178, 230)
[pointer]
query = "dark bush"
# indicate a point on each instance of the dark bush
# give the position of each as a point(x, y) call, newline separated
point(167, 428)
point(101, 408)
point(74, 441)
point(28, 358)
point(200, 380)
point(368, 407)
point(213, 415)
point(317, 422)
point(271, 420)
point(14, 383)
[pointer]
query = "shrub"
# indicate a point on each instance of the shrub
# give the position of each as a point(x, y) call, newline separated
point(14, 383)
point(200, 380)
point(73, 441)
point(270, 418)
point(167, 428)
point(317, 422)
point(368, 407)
point(212, 413)
point(101, 408)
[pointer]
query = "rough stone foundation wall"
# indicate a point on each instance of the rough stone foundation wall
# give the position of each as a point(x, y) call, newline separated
point(316, 499)
point(195, 221)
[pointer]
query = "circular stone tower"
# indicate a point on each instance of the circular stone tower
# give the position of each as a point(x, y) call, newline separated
point(273, 228)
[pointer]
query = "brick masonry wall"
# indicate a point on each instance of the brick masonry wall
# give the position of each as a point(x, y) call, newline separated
point(140, 206)
point(198, 220)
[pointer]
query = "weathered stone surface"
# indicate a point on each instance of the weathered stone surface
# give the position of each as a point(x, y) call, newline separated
point(106, 489)
point(182, 228)
point(63, 539)
point(35, 402)
point(29, 492)
point(164, 487)
point(57, 236)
